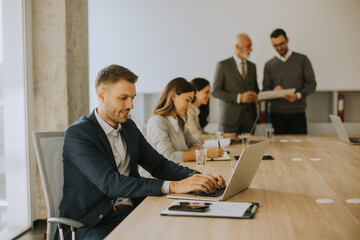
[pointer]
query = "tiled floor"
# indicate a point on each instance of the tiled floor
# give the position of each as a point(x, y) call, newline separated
point(36, 233)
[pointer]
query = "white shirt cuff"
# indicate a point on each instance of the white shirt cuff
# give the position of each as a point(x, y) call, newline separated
point(238, 98)
point(298, 95)
point(165, 188)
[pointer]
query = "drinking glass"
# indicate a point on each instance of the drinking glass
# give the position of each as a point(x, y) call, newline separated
point(245, 137)
point(200, 157)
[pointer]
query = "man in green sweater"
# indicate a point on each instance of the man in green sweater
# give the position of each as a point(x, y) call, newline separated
point(288, 69)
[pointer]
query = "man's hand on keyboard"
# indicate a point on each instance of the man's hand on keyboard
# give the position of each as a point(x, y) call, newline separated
point(198, 182)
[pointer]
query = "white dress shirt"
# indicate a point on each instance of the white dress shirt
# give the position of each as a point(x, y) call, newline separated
point(286, 57)
point(122, 157)
point(238, 65)
point(119, 150)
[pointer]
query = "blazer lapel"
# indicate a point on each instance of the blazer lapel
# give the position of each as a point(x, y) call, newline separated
point(126, 133)
point(236, 72)
point(251, 79)
point(105, 141)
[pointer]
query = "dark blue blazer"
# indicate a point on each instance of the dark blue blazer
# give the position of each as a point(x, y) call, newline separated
point(91, 179)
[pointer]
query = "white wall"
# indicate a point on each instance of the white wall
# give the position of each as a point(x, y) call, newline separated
point(162, 39)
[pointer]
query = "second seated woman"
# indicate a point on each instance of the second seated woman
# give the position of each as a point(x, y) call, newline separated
point(199, 112)
point(166, 130)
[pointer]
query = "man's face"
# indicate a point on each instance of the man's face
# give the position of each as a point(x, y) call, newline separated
point(116, 101)
point(280, 44)
point(244, 48)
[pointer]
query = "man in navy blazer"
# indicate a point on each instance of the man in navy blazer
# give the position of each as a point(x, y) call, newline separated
point(235, 85)
point(100, 157)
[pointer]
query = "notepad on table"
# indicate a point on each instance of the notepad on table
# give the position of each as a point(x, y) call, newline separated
point(225, 157)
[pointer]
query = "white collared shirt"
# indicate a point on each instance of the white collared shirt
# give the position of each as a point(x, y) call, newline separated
point(122, 163)
point(286, 57)
point(119, 149)
point(238, 65)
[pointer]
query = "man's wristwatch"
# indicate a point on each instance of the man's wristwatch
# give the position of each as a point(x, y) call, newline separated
point(194, 172)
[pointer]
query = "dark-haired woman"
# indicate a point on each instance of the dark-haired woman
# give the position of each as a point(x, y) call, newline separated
point(198, 114)
point(166, 130)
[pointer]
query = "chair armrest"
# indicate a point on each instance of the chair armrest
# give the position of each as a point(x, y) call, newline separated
point(67, 221)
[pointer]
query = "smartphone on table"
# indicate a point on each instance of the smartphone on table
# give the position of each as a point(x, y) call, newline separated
point(265, 157)
point(189, 208)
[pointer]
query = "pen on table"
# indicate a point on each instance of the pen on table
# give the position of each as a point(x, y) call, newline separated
point(196, 203)
point(220, 146)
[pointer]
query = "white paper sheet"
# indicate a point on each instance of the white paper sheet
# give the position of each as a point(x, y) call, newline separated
point(224, 142)
point(275, 94)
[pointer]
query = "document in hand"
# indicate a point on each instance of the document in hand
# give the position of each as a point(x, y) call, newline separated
point(224, 142)
point(275, 94)
point(216, 209)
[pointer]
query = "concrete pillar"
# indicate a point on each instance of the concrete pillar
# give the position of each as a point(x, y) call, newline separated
point(60, 67)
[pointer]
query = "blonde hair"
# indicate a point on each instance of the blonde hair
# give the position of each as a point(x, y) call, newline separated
point(165, 104)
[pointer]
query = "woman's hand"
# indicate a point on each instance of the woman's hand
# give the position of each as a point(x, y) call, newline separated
point(215, 152)
point(233, 136)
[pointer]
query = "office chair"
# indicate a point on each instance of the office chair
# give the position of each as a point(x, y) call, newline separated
point(48, 148)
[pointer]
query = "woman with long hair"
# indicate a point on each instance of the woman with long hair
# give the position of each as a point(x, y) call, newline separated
point(166, 130)
point(199, 112)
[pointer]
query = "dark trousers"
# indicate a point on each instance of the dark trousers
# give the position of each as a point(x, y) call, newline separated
point(102, 229)
point(244, 125)
point(289, 123)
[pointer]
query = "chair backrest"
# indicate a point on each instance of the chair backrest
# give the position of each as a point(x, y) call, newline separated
point(48, 148)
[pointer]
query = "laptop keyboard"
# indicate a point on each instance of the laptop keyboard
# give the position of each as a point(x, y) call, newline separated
point(217, 193)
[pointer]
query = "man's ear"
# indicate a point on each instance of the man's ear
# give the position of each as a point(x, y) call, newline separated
point(100, 92)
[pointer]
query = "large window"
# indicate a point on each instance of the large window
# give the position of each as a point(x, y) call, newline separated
point(14, 173)
point(3, 202)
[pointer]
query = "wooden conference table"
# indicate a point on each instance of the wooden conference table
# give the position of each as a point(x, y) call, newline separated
point(305, 169)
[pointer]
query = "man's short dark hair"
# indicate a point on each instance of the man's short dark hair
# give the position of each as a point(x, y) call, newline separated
point(113, 74)
point(278, 32)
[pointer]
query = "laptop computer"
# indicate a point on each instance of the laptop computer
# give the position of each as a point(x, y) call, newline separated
point(341, 132)
point(240, 179)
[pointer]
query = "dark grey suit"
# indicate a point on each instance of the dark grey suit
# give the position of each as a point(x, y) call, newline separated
point(228, 83)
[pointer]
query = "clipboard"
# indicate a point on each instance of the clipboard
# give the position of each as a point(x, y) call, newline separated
point(271, 94)
point(217, 210)
point(250, 212)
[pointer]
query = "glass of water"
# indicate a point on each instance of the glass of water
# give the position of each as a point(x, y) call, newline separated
point(200, 157)
point(269, 133)
point(245, 137)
